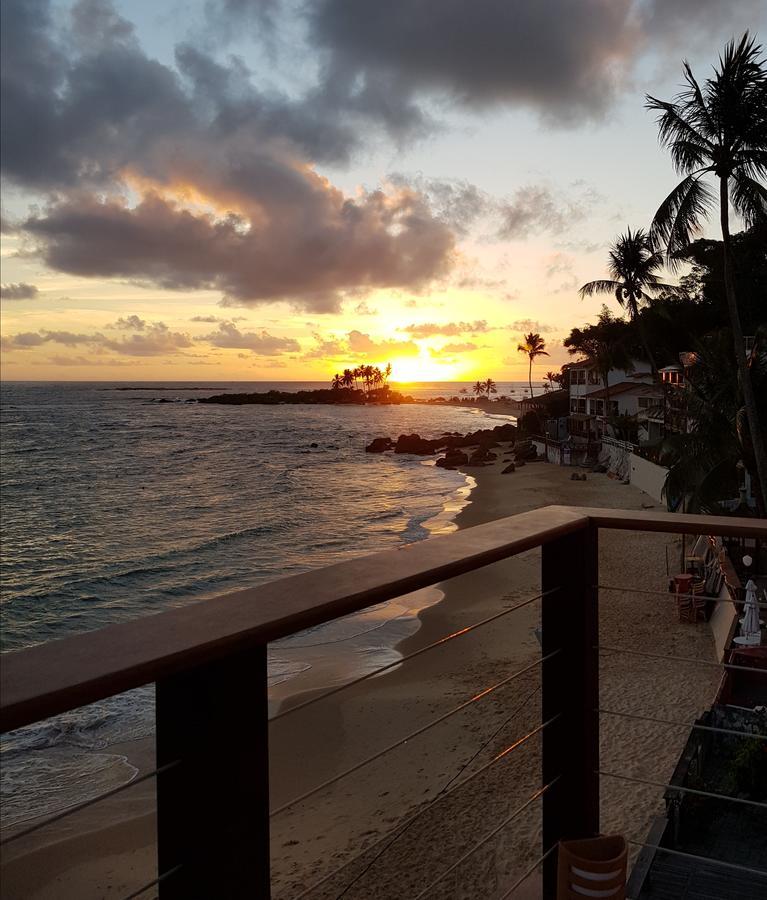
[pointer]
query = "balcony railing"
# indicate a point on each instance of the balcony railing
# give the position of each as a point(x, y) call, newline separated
point(208, 661)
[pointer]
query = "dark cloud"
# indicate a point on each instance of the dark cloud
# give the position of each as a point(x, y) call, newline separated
point(153, 339)
point(19, 290)
point(448, 329)
point(313, 247)
point(105, 122)
point(230, 337)
point(561, 58)
point(130, 323)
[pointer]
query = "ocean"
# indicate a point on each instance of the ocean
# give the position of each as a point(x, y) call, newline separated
point(117, 505)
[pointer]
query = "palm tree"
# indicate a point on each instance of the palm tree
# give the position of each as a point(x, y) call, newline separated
point(490, 387)
point(479, 388)
point(633, 282)
point(606, 344)
point(719, 130)
point(348, 378)
point(534, 346)
point(338, 382)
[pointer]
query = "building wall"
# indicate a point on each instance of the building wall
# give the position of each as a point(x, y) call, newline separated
point(648, 477)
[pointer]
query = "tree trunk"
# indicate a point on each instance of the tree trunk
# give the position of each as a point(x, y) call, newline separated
point(752, 413)
point(530, 377)
point(643, 337)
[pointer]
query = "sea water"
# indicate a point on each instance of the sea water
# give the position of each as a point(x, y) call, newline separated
point(120, 501)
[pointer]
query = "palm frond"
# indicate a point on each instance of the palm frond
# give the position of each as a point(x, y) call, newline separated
point(680, 214)
point(749, 198)
point(601, 286)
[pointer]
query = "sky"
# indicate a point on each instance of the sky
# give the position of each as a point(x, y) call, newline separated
point(277, 190)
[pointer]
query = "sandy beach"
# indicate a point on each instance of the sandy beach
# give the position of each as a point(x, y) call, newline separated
point(345, 831)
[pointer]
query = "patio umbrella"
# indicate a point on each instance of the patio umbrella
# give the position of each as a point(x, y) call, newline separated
point(750, 623)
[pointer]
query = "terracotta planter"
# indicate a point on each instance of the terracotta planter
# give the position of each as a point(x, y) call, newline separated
point(595, 867)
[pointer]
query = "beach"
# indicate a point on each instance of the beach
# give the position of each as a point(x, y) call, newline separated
point(107, 850)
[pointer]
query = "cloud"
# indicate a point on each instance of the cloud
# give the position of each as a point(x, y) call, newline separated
point(230, 337)
point(563, 59)
point(18, 291)
point(93, 120)
point(536, 209)
point(449, 329)
point(454, 349)
point(364, 345)
point(531, 325)
point(456, 202)
point(129, 323)
point(362, 309)
point(154, 339)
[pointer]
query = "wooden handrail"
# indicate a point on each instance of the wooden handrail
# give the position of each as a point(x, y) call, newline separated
point(61, 675)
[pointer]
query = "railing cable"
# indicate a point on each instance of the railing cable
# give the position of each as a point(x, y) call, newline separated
point(685, 659)
point(690, 725)
point(448, 787)
point(413, 734)
point(151, 884)
point(761, 873)
point(488, 837)
point(71, 810)
point(683, 790)
point(674, 595)
point(528, 873)
point(408, 656)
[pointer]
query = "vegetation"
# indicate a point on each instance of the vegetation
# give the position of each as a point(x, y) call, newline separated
point(719, 131)
point(534, 346)
point(633, 264)
point(609, 345)
point(372, 378)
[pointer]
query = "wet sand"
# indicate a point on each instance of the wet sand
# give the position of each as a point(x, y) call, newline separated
point(107, 851)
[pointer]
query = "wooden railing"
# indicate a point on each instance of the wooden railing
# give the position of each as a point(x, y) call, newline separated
point(205, 658)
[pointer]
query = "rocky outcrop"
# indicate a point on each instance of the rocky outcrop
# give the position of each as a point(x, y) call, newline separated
point(509, 469)
point(415, 444)
point(379, 445)
point(452, 459)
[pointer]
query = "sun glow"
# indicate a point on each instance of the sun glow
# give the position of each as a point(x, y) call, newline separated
point(407, 369)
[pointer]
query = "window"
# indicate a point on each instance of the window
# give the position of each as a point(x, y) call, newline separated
point(578, 405)
point(593, 376)
point(579, 376)
point(598, 407)
point(645, 402)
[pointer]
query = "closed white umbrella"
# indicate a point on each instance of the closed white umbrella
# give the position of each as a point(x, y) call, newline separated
point(750, 632)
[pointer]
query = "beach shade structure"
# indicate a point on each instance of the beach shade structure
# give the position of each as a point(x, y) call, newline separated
point(592, 867)
point(750, 628)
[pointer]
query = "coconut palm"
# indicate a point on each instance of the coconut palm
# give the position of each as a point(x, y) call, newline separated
point(719, 131)
point(633, 262)
point(534, 346)
point(490, 387)
point(338, 382)
point(479, 388)
point(348, 378)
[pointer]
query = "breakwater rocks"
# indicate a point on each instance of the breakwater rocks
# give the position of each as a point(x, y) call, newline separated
point(456, 446)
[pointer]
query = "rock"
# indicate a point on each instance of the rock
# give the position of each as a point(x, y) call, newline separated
point(314, 445)
point(452, 459)
point(415, 444)
point(575, 477)
point(519, 463)
point(482, 455)
point(379, 445)
point(510, 468)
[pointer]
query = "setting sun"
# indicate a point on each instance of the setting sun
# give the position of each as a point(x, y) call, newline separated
point(407, 369)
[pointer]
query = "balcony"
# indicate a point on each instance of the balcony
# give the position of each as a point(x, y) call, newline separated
point(208, 662)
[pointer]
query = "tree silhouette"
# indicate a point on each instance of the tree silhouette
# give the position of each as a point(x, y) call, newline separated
point(534, 346)
point(490, 387)
point(479, 388)
point(338, 382)
point(632, 264)
point(719, 130)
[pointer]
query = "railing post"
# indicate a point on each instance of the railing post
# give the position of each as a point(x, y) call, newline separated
point(213, 807)
point(570, 688)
